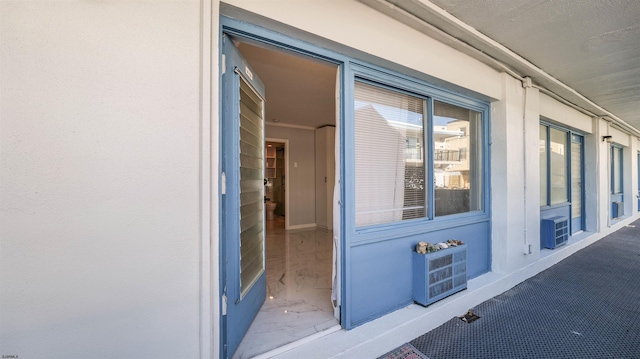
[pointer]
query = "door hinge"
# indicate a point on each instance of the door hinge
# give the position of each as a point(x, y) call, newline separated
point(223, 183)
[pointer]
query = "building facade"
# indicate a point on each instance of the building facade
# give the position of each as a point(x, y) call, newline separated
point(126, 221)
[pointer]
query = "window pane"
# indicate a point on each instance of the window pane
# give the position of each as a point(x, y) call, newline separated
point(558, 166)
point(543, 165)
point(576, 178)
point(616, 170)
point(389, 149)
point(457, 159)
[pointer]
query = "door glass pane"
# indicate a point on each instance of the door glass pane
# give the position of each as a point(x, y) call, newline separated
point(457, 138)
point(389, 155)
point(251, 187)
point(543, 165)
point(558, 167)
point(576, 179)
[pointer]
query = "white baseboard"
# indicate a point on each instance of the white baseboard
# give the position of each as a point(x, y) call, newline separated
point(301, 226)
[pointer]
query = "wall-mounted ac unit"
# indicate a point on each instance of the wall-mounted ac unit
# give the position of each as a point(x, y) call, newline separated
point(439, 274)
point(617, 209)
point(554, 231)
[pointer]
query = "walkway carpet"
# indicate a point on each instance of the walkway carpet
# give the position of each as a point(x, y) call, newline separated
point(587, 306)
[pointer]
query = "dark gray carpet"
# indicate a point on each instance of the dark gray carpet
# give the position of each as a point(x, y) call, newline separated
point(587, 306)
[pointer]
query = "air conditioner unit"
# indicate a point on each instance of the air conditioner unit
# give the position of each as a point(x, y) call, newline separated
point(617, 209)
point(554, 231)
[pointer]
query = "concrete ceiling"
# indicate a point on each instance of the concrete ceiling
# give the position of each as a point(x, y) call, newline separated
point(300, 91)
point(585, 51)
point(590, 48)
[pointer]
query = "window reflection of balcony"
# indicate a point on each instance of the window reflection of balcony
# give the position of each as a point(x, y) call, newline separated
point(446, 156)
point(413, 154)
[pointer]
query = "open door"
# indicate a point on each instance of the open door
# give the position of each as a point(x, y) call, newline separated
point(242, 263)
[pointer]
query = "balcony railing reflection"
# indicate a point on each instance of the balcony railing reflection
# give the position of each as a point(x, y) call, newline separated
point(447, 155)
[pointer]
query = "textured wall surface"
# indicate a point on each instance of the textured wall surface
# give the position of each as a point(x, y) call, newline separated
point(99, 232)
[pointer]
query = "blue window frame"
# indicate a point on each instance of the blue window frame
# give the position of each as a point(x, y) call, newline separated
point(562, 174)
point(420, 153)
point(554, 165)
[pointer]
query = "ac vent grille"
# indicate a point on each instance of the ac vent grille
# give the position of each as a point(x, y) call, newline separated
point(554, 231)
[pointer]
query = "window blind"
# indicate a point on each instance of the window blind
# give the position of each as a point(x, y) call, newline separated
point(251, 187)
point(389, 151)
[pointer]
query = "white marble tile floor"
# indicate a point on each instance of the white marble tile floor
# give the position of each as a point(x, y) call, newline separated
point(298, 300)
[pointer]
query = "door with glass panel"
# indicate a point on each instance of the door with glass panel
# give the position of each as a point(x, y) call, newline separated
point(242, 260)
point(577, 189)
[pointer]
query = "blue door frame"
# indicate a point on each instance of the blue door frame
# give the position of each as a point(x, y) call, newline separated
point(255, 34)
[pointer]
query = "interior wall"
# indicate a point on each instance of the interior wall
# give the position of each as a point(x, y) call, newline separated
point(99, 173)
point(301, 176)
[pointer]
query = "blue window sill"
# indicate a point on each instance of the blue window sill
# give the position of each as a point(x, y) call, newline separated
point(394, 230)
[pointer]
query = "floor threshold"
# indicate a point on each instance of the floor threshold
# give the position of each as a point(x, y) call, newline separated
point(298, 343)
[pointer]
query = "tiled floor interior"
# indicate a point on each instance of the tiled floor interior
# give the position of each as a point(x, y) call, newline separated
point(298, 300)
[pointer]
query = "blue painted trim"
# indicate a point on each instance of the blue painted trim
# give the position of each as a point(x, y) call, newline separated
point(348, 183)
point(394, 232)
point(430, 161)
point(349, 68)
point(415, 87)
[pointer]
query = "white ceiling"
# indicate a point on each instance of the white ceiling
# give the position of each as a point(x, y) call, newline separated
point(300, 91)
point(591, 46)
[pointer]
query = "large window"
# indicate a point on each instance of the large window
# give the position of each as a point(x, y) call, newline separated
point(554, 157)
point(405, 172)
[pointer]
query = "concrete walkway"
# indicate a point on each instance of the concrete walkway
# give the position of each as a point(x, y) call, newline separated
point(586, 306)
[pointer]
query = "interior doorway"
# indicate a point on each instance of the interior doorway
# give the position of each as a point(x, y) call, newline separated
point(301, 272)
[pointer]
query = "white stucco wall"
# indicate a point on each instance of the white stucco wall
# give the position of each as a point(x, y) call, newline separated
point(618, 136)
point(99, 179)
point(515, 179)
point(360, 27)
point(558, 112)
